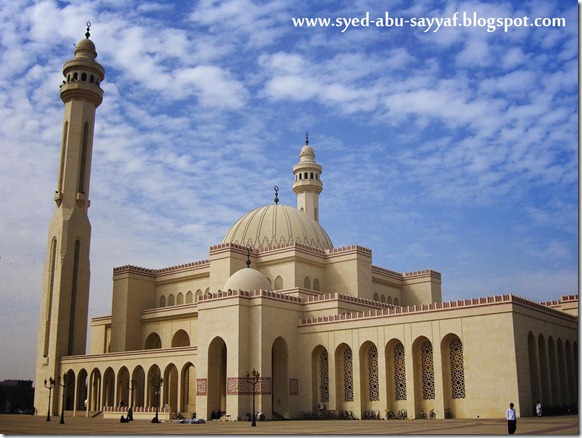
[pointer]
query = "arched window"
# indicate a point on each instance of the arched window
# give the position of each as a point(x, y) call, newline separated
point(207, 291)
point(389, 300)
point(84, 77)
point(373, 381)
point(171, 300)
point(324, 376)
point(278, 283)
point(198, 295)
point(399, 372)
point(307, 283)
point(180, 298)
point(348, 375)
point(427, 365)
point(311, 175)
point(457, 368)
point(153, 341)
point(181, 339)
point(189, 297)
point(382, 298)
point(375, 296)
point(395, 301)
point(162, 301)
point(316, 284)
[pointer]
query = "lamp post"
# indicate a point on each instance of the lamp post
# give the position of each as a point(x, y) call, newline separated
point(50, 386)
point(63, 385)
point(157, 384)
point(131, 386)
point(253, 379)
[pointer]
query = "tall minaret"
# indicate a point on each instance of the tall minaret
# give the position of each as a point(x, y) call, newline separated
point(65, 284)
point(307, 185)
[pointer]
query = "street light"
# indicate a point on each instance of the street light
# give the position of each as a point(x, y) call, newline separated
point(131, 386)
point(63, 385)
point(50, 386)
point(253, 379)
point(157, 384)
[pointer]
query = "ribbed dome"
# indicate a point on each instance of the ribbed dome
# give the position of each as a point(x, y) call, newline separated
point(277, 224)
point(247, 279)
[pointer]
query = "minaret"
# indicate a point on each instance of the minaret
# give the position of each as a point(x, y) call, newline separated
point(65, 284)
point(307, 185)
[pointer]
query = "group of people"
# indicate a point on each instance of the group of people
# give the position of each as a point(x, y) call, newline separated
point(512, 419)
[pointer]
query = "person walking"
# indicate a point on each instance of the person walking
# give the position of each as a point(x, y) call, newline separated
point(539, 409)
point(511, 419)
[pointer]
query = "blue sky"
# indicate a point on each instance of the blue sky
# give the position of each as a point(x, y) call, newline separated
point(454, 150)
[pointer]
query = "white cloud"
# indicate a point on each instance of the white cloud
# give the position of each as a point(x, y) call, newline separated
point(205, 108)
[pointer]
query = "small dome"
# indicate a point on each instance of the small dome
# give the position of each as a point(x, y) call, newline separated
point(307, 153)
point(248, 279)
point(85, 49)
point(277, 224)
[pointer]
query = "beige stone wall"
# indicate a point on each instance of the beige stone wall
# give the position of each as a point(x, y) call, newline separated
point(423, 287)
point(132, 293)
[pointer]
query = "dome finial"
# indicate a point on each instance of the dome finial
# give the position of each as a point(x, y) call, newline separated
point(248, 262)
point(276, 194)
point(87, 34)
point(306, 138)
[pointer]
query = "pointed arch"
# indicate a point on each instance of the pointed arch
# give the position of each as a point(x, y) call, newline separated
point(395, 373)
point(188, 389)
point(109, 387)
point(217, 366)
point(123, 387)
point(153, 341)
point(423, 369)
point(319, 375)
point(316, 285)
point(170, 388)
point(138, 383)
point(81, 392)
point(153, 389)
point(180, 339)
point(369, 378)
point(280, 377)
point(95, 396)
point(69, 390)
point(344, 376)
point(534, 371)
point(453, 368)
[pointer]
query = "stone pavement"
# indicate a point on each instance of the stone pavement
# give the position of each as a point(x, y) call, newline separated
point(28, 424)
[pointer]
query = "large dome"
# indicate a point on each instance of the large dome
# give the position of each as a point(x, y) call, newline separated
point(277, 224)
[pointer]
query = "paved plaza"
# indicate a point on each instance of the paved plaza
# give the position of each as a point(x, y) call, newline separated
point(27, 424)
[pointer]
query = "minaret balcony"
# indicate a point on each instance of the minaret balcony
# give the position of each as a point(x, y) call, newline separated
point(83, 91)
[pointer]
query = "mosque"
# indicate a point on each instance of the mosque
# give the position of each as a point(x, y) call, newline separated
point(277, 317)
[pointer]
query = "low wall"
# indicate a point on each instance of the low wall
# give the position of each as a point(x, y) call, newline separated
point(139, 413)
